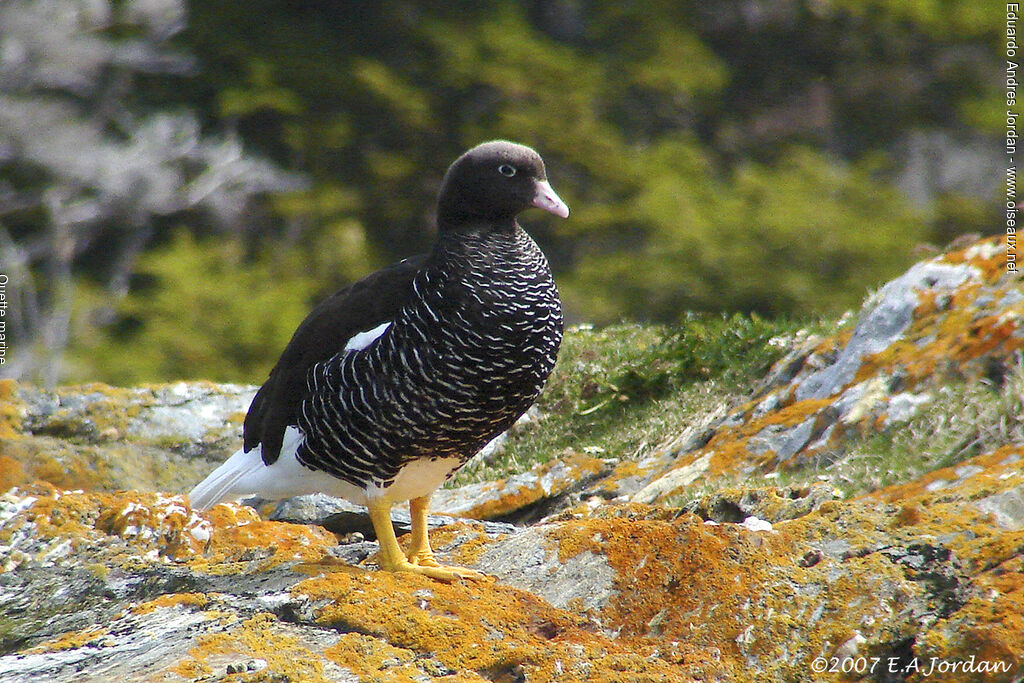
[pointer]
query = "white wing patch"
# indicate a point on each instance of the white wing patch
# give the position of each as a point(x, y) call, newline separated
point(363, 339)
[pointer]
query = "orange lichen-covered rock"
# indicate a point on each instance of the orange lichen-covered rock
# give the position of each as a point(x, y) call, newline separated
point(497, 499)
point(615, 592)
point(11, 409)
point(493, 630)
point(959, 315)
point(228, 589)
point(44, 526)
point(101, 438)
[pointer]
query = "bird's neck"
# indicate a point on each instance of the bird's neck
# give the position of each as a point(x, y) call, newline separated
point(482, 242)
point(459, 224)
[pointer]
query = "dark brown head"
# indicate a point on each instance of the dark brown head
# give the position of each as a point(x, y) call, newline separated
point(493, 182)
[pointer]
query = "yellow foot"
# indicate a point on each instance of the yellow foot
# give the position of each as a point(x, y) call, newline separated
point(436, 571)
point(420, 559)
point(425, 559)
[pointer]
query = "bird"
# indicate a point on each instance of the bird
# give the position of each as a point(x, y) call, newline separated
point(394, 382)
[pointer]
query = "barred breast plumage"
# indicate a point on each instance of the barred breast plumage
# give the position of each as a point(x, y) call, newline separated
point(467, 354)
point(390, 385)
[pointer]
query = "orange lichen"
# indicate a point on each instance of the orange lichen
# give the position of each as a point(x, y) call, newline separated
point(786, 416)
point(997, 465)
point(741, 587)
point(510, 498)
point(12, 473)
point(951, 334)
point(259, 637)
point(728, 452)
point(163, 528)
point(56, 514)
point(197, 600)
point(64, 466)
point(947, 338)
point(688, 599)
point(945, 503)
point(491, 629)
point(468, 551)
point(70, 641)
point(989, 256)
point(373, 660)
point(10, 409)
point(727, 589)
point(238, 529)
point(71, 473)
point(713, 601)
point(988, 627)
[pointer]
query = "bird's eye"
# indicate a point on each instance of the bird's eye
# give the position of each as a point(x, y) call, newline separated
point(506, 170)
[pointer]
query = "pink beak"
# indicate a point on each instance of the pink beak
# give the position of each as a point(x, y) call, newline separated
point(549, 201)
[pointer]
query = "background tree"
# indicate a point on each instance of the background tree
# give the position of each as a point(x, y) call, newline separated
point(778, 157)
point(88, 174)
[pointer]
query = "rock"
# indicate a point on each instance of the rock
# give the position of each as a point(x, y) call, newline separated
point(1007, 508)
point(341, 517)
point(96, 437)
point(521, 496)
point(168, 437)
point(149, 598)
point(959, 315)
point(772, 579)
point(529, 561)
point(771, 504)
point(885, 318)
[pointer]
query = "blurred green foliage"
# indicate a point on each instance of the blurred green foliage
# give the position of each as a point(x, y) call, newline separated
point(730, 156)
point(200, 309)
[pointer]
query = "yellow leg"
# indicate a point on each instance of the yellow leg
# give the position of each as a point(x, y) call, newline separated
point(419, 548)
point(420, 553)
point(392, 558)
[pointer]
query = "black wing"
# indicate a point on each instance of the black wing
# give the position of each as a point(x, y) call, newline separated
point(361, 306)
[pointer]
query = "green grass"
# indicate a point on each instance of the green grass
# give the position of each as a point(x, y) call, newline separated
point(622, 390)
point(964, 419)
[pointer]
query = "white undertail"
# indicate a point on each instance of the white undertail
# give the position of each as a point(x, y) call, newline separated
point(244, 474)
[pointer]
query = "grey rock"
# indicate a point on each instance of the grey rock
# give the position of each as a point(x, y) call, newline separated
point(1011, 298)
point(905, 405)
point(191, 411)
point(1007, 508)
point(527, 560)
point(134, 645)
point(772, 504)
point(785, 441)
point(884, 320)
point(142, 644)
point(797, 359)
point(797, 439)
point(355, 553)
point(530, 496)
point(768, 439)
point(181, 412)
